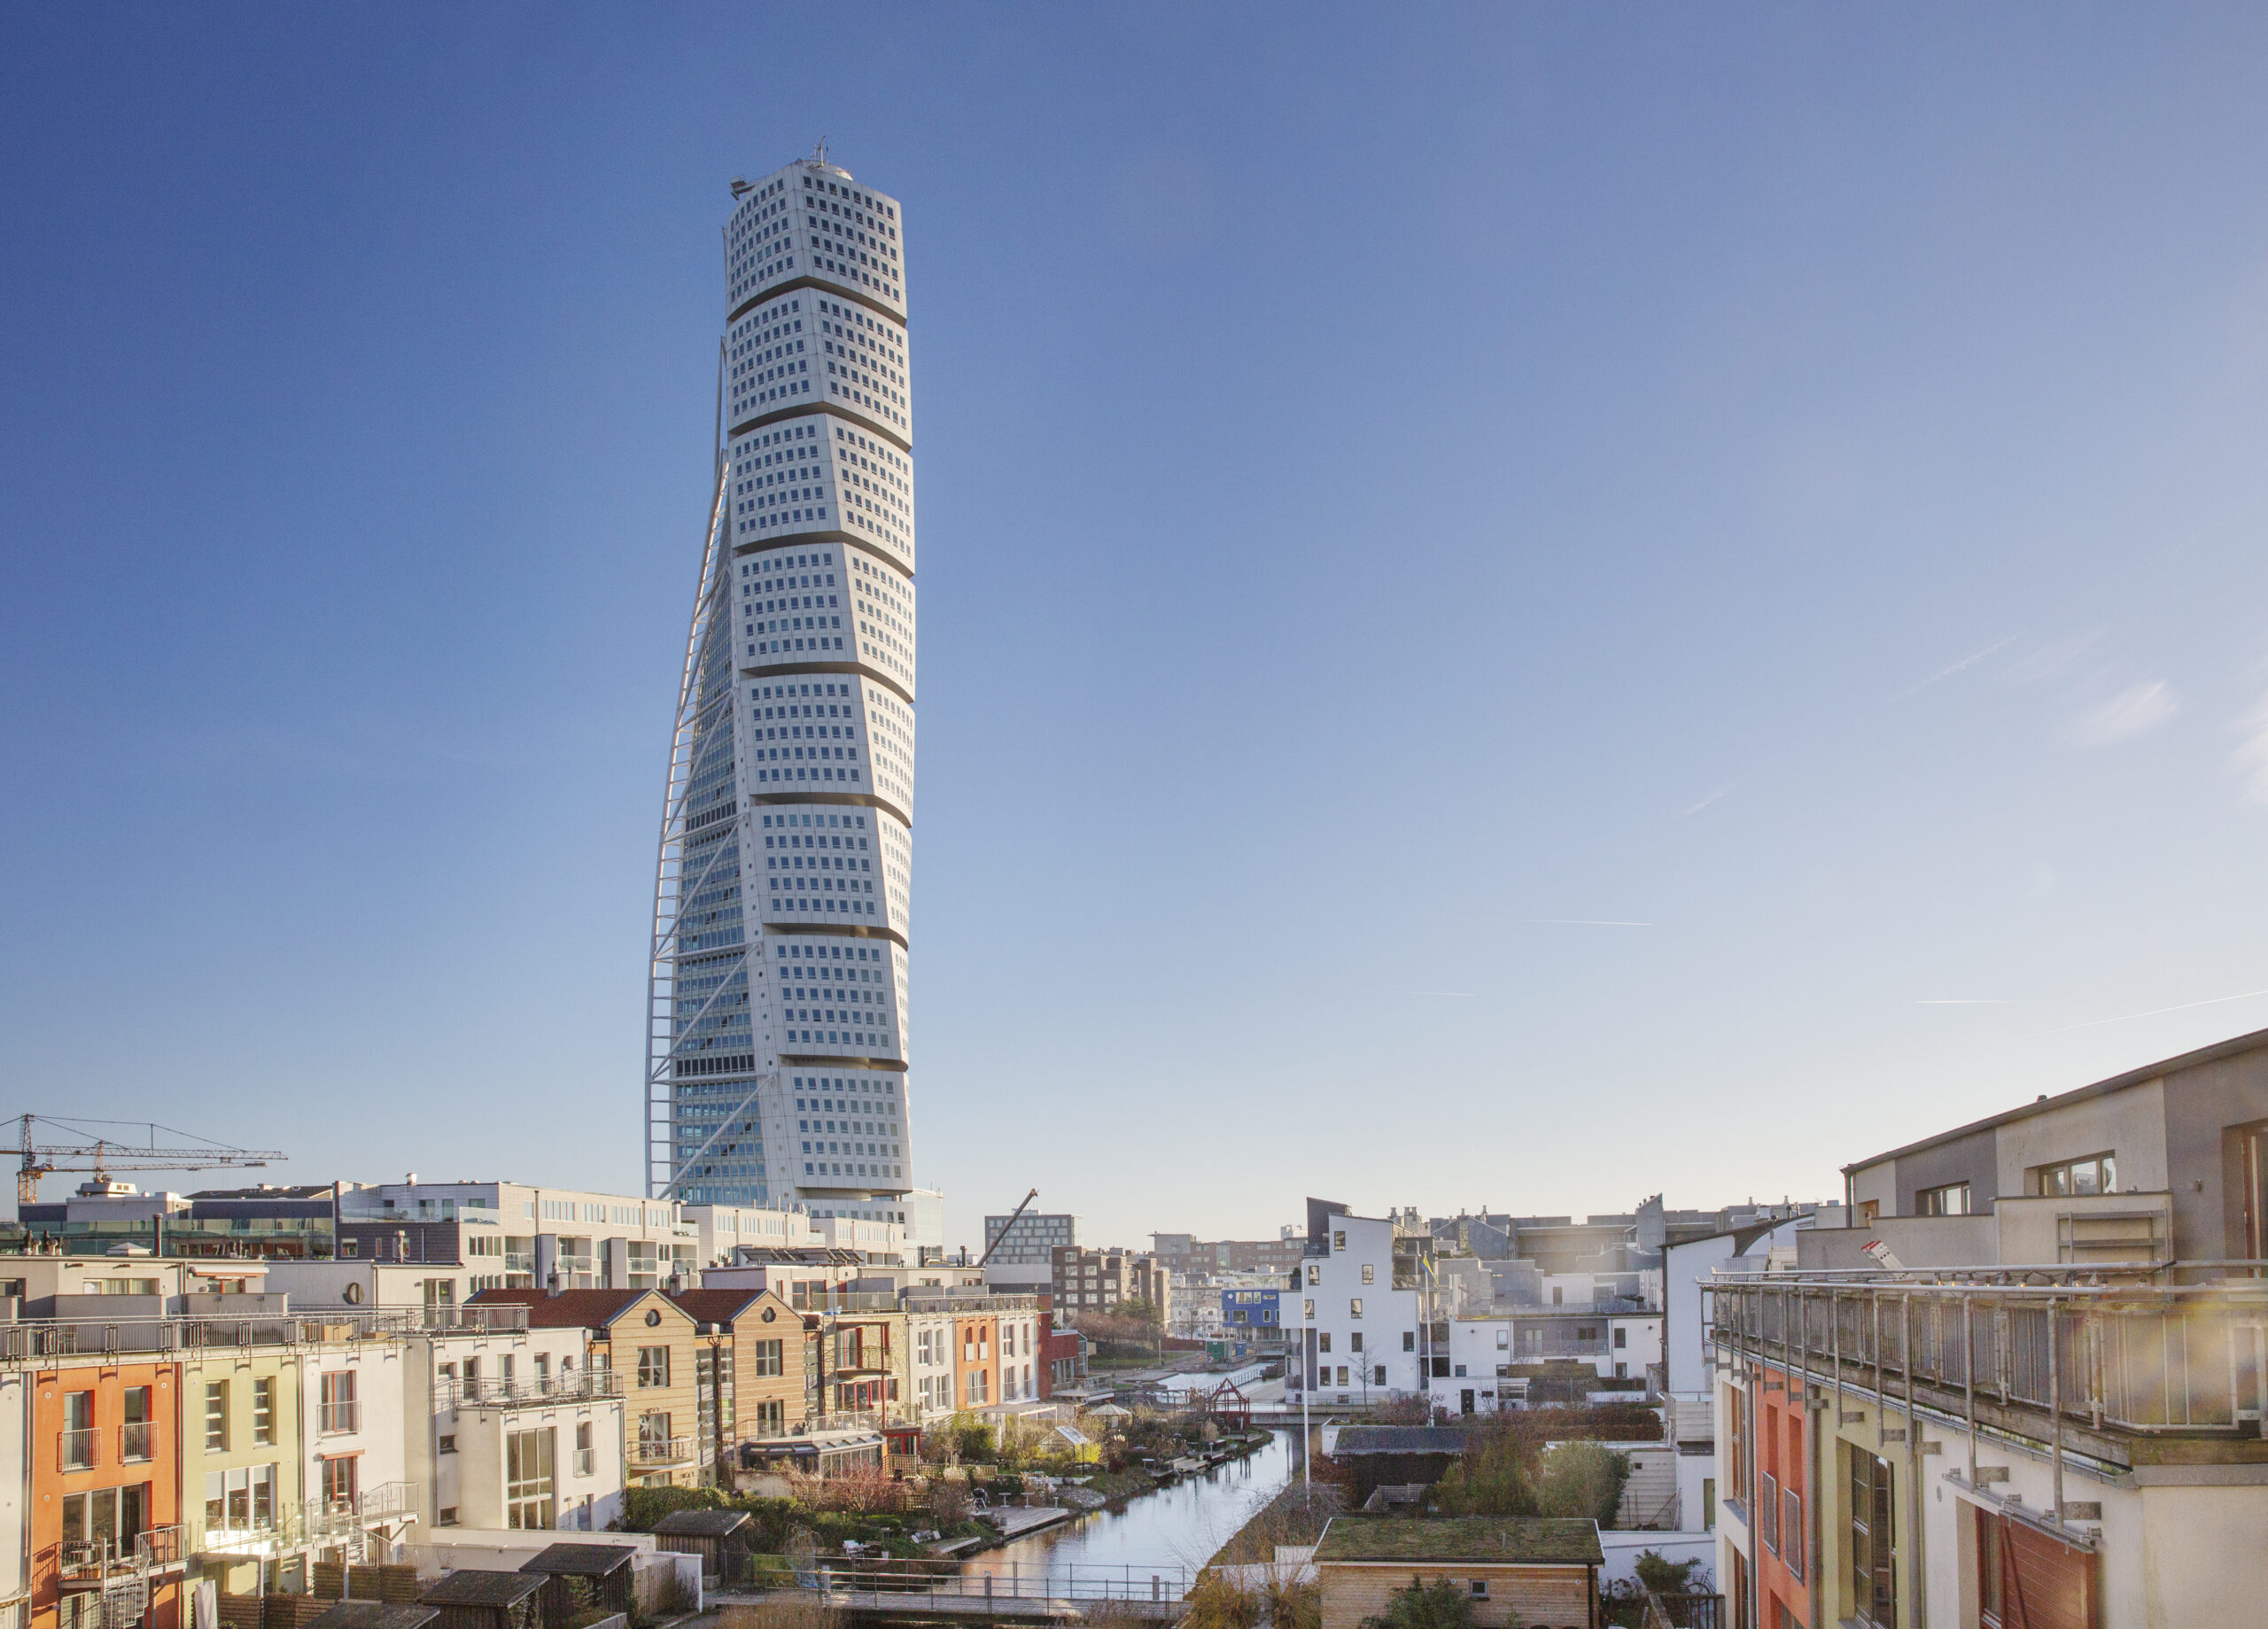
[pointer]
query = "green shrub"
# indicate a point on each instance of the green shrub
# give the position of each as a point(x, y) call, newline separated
point(1438, 1605)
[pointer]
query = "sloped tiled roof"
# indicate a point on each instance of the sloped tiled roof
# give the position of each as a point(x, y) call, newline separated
point(713, 1306)
point(567, 1309)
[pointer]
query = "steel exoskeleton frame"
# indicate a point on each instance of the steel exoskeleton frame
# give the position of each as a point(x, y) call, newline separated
point(665, 1029)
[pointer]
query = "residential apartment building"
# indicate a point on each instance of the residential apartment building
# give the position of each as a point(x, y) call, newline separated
point(101, 1479)
point(1193, 1257)
point(657, 1350)
point(1103, 1280)
point(1253, 1314)
point(752, 1374)
point(239, 1443)
point(991, 1345)
point(1360, 1311)
point(1031, 1239)
point(517, 1427)
point(777, 1044)
point(2025, 1385)
point(267, 1221)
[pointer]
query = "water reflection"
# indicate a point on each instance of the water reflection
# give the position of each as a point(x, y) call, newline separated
point(1175, 1527)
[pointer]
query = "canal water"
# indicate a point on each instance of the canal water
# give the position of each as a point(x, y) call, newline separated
point(1172, 1531)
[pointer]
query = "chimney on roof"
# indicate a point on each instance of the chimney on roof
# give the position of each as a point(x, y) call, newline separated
point(551, 1282)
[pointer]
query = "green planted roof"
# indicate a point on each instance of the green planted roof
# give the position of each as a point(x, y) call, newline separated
point(1499, 1539)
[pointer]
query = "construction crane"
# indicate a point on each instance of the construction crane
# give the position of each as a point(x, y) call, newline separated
point(105, 1154)
point(1005, 1232)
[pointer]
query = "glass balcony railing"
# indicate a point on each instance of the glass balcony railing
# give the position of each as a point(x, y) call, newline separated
point(337, 1417)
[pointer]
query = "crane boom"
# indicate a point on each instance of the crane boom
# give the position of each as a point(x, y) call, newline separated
point(1006, 1228)
point(105, 1155)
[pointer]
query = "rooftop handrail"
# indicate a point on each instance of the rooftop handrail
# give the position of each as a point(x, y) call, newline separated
point(2145, 1358)
point(568, 1385)
point(2003, 1279)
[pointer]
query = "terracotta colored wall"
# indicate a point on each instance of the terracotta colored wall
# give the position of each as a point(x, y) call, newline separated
point(987, 1329)
point(160, 1473)
point(1783, 1453)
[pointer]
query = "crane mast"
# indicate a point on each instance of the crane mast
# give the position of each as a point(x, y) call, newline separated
point(1006, 1228)
point(103, 1155)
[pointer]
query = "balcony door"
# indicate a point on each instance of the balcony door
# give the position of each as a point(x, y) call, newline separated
point(2252, 1164)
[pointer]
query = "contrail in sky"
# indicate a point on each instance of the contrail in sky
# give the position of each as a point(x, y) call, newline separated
point(2122, 1018)
point(1576, 921)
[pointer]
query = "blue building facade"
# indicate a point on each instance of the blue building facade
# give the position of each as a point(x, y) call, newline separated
point(1252, 1314)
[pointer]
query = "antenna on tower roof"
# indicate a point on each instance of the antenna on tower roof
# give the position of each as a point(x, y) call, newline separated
point(819, 153)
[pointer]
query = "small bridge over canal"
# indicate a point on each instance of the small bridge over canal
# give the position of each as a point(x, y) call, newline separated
point(1067, 1594)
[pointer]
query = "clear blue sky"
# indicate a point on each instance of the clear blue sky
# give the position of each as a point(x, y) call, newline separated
point(1394, 486)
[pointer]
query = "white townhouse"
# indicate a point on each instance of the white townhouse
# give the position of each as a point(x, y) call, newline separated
point(1363, 1325)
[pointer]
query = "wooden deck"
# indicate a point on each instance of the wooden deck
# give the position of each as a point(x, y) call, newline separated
point(1014, 1521)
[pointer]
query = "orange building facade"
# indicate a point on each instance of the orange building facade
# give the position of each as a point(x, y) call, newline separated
point(104, 1486)
point(976, 1359)
point(1771, 1487)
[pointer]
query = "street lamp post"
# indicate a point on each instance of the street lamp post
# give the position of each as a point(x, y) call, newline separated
point(1306, 1440)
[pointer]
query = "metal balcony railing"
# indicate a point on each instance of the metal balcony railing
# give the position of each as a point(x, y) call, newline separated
point(2114, 1356)
point(135, 1441)
point(31, 1340)
point(153, 1550)
point(387, 1501)
point(653, 1453)
point(160, 1548)
point(327, 1518)
point(571, 1386)
point(503, 1317)
point(77, 1449)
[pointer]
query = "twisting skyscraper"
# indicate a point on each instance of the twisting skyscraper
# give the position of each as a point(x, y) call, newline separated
point(776, 1011)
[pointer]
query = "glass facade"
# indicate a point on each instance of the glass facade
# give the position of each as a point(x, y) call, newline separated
point(777, 1019)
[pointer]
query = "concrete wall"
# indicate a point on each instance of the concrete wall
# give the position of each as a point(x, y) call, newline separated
point(1641, 1336)
point(381, 1370)
point(2030, 1230)
point(2130, 1123)
point(2202, 1104)
point(1917, 1241)
point(480, 1470)
point(1623, 1549)
point(1965, 1160)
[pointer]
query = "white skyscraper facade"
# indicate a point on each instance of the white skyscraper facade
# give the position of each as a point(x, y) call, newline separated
point(777, 1044)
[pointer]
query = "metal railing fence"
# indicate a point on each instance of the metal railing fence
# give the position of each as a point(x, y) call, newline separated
point(2135, 1357)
